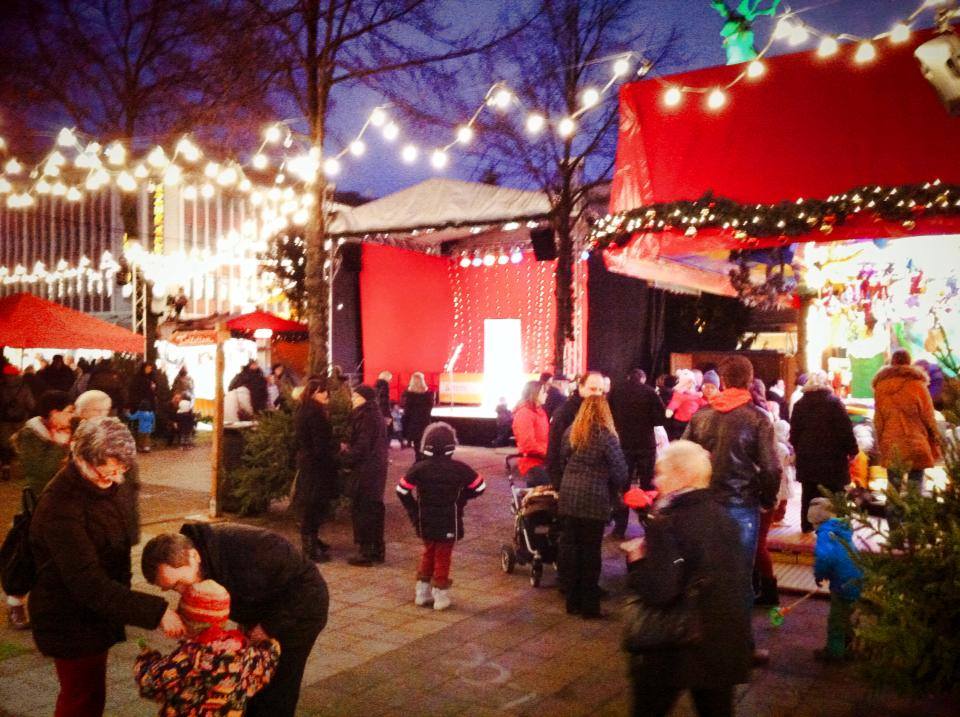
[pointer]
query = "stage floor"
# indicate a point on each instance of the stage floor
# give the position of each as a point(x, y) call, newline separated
point(444, 412)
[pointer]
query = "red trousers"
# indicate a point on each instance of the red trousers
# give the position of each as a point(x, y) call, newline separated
point(83, 686)
point(435, 563)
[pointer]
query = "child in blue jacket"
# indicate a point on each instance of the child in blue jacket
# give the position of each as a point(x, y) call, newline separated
point(145, 419)
point(834, 561)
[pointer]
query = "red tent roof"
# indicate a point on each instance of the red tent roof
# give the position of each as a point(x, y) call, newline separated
point(265, 320)
point(809, 127)
point(27, 321)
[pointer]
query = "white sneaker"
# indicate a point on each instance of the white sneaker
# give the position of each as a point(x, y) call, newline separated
point(441, 599)
point(423, 598)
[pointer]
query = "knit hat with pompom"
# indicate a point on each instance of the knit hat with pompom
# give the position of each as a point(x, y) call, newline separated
point(205, 604)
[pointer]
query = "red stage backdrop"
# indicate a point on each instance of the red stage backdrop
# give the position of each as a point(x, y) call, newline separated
point(406, 311)
point(808, 127)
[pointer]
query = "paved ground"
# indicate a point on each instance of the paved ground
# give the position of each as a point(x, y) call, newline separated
point(504, 648)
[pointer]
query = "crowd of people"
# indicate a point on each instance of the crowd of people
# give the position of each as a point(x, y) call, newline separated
point(716, 448)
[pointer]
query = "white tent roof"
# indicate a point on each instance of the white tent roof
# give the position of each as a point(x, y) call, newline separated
point(437, 203)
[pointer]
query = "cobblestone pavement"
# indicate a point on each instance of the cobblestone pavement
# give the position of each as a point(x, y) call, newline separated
point(504, 647)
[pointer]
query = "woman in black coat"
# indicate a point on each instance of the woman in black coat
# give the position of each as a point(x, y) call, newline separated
point(143, 389)
point(316, 467)
point(417, 403)
point(366, 456)
point(80, 535)
point(690, 537)
point(822, 437)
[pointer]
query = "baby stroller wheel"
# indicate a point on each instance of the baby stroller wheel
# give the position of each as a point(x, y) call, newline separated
point(536, 573)
point(508, 558)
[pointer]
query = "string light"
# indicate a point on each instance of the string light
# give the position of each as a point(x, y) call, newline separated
point(716, 99)
point(188, 150)
point(378, 117)
point(116, 154)
point(126, 182)
point(672, 97)
point(331, 167)
point(141, 172)
point(206, 191)
point(409, 153)
point(866, 52)
point(501, 98)
point(621, 67)
point(272, 134)
point(190, 193)
point(465, 134)
point(439, 159)
point(900, 33)
point(535, 123)
point(66, 138)
point(73, 195)
point(13, 167)
point(590, 98)
point(828, 46)
point(756, 69)
point(357, 148)
point(260, 161)
point(172, 175)
point(391, 131)
point(212, 170)
point(157, 157)
point(799, 35)
point(566, 127)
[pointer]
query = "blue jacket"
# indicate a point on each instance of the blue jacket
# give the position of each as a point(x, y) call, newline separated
point(145, 420)
point(834, 561)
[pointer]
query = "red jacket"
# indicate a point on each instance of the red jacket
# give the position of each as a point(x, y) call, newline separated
point(684, 404)
point(531, 428)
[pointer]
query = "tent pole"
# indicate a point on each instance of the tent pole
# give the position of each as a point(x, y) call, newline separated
point(217, 457)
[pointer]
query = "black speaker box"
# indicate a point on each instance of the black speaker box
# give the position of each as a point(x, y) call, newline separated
point(544, 247)
point(350, 256)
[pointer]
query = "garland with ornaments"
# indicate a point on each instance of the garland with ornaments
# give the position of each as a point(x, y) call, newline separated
point(904, 204)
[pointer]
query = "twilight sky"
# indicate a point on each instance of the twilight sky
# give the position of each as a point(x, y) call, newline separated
point(381, 170)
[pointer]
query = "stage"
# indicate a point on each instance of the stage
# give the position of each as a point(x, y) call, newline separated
point(475, 425)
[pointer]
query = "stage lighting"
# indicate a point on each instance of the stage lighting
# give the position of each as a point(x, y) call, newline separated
point(940, 64)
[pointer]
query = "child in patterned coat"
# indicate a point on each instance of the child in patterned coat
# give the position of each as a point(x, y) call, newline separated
point(214, 671)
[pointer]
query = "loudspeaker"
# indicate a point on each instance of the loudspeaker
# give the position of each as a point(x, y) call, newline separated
point(544, 247)
point(350, 256)
point(940, 63)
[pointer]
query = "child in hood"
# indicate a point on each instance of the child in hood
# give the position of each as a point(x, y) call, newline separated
point(834, 561)
point(443, 486)
point(214, 671)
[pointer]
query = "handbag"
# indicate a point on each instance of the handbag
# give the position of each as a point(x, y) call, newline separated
point(678, 624)
point(18, 572)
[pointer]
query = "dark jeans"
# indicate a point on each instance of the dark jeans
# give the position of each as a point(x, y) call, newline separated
point(580, 547)
point(83, 686)
point(367, 522)
point(639, 468)
point(279, 698)
point(653, 700)
point(748, 520)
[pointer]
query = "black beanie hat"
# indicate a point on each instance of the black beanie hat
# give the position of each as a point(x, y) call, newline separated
point(366, 391)
point(439, 439)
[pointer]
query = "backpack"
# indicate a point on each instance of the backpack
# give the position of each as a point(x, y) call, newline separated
point(18, 572)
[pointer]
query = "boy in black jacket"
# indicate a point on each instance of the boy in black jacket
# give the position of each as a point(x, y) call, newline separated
point(443, 488)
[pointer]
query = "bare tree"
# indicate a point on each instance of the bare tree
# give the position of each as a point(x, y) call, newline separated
point(570, 46)
point(314, 49)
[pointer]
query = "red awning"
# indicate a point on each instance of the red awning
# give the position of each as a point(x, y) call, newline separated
point(808, 128)
point(27, 321)
point(265, 320)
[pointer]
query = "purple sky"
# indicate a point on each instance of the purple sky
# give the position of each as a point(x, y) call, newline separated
point(381, 171)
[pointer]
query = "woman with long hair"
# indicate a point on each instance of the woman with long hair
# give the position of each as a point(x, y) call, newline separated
point(531, 428)
point(316, 467)
point(417, 403)
point(594, 475)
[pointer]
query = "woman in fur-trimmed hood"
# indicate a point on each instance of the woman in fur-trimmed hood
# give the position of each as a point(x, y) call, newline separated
point(904, 419)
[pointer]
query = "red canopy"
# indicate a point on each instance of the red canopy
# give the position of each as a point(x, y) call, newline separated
point(27, 321)
point(809, 127)
point(265, 320)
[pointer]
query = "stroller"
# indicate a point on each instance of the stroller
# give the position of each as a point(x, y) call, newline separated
point(536, 530)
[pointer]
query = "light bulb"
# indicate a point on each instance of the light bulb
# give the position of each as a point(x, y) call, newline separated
point(391, 131)
point(126, 182)
point(42, 186)
point(206, 191)
point(465, 262)
point(227, 177)
point(259, 161)
point(828, 47)
point(866, 52)
point(378, 117)
point(13, 166)
point(489, 259)
point(900, 33)
point(783, 29)
point(716, 99)
point(756, 69)
point(272, 134)
point(140, 172)
point(516, 257)
point(331, 167)
point(300, 217)
point(157, 157)
point(799, 35)
point(464, 134)
point(5, 186)
point(66, 138)
point(58, 189)
point(190, 193)
point(502, 259)
point(477, 261)
point(502, 98)
point(621, 67)
point(409, 153)
point(535, 123)
point(116, 154)
point(357, 148)
point(188, 150)
point(212, 170)
point(566, 127)
point(439, 159)
point(245, 185)
point(172, 175)
point(590, 97)
point(73, 195)
point(672, 97)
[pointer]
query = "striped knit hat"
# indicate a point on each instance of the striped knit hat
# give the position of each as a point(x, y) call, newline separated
point(205, 604)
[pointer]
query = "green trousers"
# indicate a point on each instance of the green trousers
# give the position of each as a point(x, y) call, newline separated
point(839, 629)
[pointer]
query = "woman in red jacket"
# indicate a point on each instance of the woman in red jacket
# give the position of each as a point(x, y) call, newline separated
point(531, 428)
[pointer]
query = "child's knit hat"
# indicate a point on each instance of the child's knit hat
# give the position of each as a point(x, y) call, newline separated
point(205, 604)
point(713, 377)
point(820, 511)
point(439, 439)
